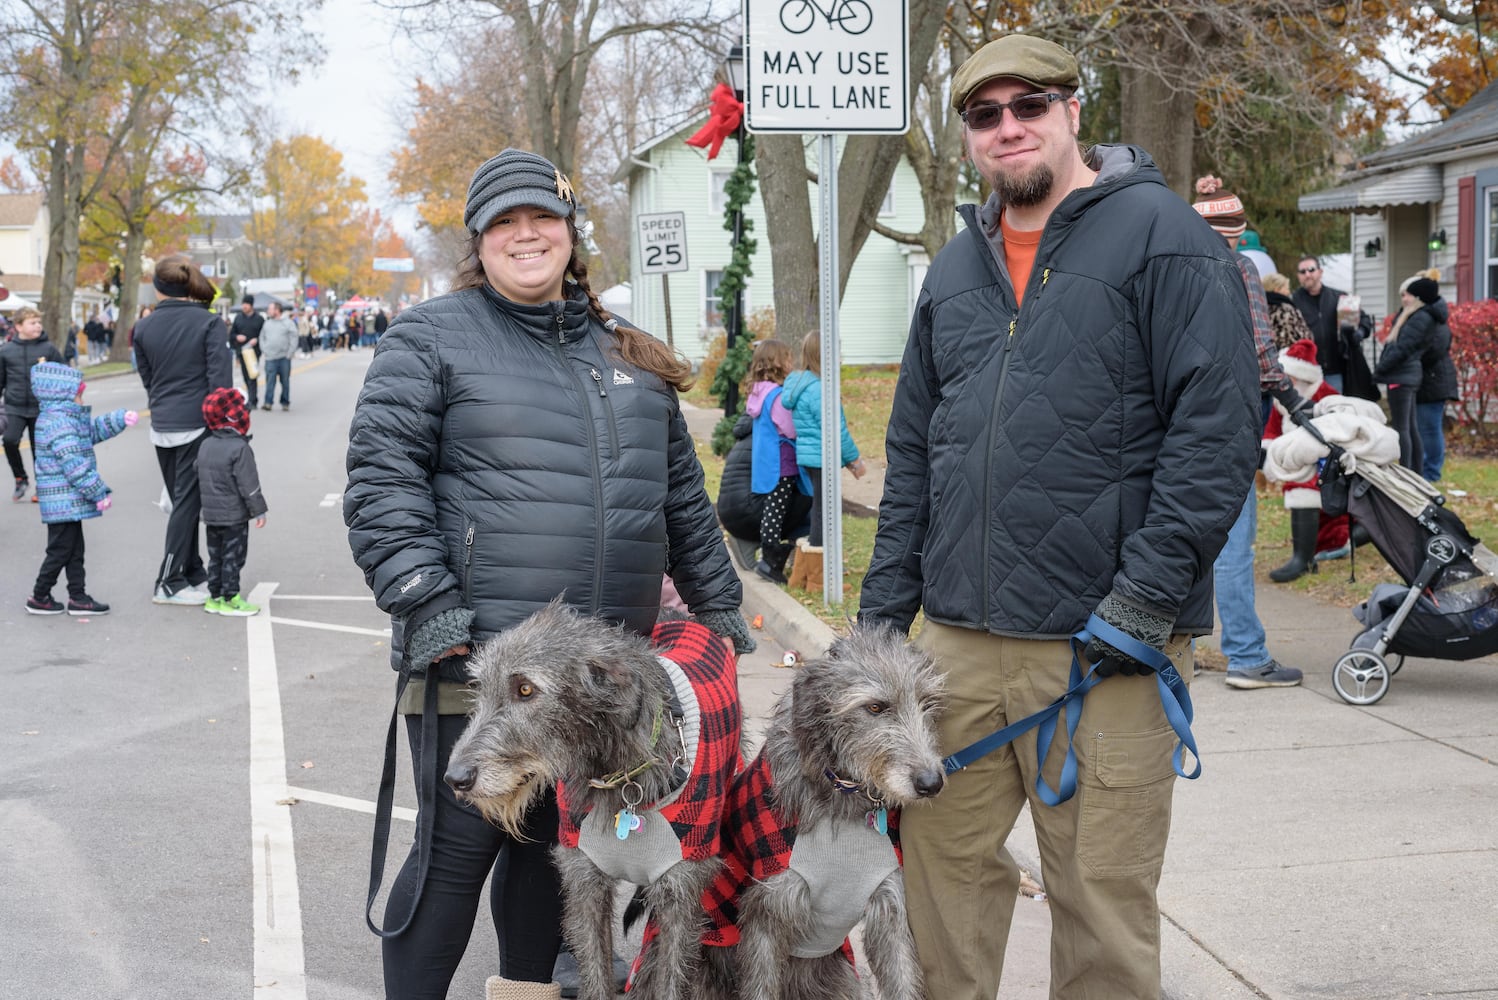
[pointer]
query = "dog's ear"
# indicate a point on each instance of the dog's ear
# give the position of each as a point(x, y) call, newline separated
point(608, 672)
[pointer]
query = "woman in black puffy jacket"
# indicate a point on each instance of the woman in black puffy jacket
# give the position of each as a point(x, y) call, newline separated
point(512, 443)
point(1437, 386)
point(1399, 366)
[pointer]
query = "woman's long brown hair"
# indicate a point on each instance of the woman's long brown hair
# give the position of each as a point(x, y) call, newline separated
point(635, 347)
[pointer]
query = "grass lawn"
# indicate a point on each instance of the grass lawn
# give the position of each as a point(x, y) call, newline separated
point(867, 397)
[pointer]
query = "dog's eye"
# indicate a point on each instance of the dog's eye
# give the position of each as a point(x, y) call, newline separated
point(524, 690)
point(876, 708)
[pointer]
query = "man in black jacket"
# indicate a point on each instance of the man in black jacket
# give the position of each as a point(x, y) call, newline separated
point(246, 333)
point(1334, 331)
point(1074, 429)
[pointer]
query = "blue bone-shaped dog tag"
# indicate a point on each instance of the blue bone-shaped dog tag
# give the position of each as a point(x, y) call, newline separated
point(625, 823)
point(879, 820)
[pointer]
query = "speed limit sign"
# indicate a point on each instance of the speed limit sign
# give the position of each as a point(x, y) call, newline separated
point(663, 242)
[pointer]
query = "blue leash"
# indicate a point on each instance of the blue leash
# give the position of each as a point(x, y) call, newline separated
point(1175, 700)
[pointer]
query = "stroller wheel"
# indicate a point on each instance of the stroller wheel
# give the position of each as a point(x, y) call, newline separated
point(1361, 677)
point(1398, 662)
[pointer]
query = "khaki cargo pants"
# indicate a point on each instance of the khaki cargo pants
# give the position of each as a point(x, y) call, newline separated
point(1100, 852)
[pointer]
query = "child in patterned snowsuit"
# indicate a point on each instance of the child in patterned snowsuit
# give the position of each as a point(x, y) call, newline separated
point(68, 487)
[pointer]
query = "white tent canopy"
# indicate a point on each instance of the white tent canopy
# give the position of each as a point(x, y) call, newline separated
point(12, 302)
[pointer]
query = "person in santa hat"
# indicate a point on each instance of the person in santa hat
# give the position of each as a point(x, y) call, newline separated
point(1311, 531)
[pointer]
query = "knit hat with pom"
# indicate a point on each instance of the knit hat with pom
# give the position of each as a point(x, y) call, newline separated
point(1424, 289)
point(1299, 361)
point(1223, 210)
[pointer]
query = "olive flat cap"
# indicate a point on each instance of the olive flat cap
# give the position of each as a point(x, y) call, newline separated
point(513, 178)
point(1025, 57)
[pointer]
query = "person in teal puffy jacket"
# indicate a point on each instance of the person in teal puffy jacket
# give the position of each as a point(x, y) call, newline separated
point(803, 397)
point(67, 482)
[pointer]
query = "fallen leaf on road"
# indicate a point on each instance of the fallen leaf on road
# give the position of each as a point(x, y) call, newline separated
point(287, 802)
point(308, 763)
point(759, 621)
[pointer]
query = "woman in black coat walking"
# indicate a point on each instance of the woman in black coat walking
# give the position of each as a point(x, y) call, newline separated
point(1399, 366)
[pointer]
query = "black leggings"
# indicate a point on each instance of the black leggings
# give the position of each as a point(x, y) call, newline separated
point(525, 896)
point(14, 427)
point(1402, 419)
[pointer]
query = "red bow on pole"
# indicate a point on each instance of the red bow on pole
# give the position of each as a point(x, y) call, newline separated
point(723, 122)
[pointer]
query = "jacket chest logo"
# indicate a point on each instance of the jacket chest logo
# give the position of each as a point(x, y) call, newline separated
point(621, 378)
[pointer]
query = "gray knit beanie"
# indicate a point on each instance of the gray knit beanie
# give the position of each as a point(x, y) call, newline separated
point(512, 179)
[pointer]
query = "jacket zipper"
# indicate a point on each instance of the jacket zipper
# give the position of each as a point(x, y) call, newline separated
point(468, 566)
point(993, 429)
point(598, 519)
point(608, 407)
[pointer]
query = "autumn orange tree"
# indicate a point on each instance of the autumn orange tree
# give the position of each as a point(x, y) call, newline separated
point(307, 220)
point(84, 76)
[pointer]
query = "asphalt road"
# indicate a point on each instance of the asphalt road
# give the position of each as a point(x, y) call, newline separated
point(186, 799)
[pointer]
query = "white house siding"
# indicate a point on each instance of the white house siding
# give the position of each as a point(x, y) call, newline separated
point(876, 307)
point(1370, 275)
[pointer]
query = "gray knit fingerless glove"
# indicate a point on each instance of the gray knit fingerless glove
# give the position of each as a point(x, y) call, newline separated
point(730, 625)
point(442, 631)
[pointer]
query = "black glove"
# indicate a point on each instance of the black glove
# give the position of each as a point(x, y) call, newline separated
point(1135, 622)
point(1295, 404)
point(728, 623)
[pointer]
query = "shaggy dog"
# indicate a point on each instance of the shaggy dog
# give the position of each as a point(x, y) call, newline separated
point(642, 741)
point(812, 830)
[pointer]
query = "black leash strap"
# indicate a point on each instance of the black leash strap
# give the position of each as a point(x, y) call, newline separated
point(427, 756)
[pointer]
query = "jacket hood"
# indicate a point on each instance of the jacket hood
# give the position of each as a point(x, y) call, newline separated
point(1118, 166)
point(224, 409)
point(55, 383)
point(796, 384)
point(1438, 309)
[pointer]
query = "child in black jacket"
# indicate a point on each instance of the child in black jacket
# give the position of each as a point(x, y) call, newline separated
point(230, 487)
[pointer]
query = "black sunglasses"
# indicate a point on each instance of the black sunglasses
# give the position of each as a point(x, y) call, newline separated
point(981, 117)
point(1306, 270)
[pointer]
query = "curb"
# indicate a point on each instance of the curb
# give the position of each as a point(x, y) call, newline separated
point(785, 619)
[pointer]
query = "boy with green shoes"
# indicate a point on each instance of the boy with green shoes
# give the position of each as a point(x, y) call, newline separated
point(230, 486)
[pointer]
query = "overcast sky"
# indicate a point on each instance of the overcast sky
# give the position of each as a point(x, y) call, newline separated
point(352, 98)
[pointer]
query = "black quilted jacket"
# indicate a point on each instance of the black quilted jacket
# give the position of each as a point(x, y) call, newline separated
point(500, 455)
point(16, 358)
point(1103, 436)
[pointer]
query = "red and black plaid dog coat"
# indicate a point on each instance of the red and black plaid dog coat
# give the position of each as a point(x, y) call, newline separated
point(760, 843)
point(702, 668)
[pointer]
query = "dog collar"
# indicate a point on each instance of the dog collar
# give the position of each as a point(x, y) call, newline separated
point(877, 817)
point(678, 769)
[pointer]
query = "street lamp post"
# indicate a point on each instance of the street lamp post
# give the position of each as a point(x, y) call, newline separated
point(736, 71)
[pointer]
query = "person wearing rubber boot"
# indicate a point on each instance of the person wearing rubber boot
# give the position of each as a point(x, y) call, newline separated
point(1310, 529)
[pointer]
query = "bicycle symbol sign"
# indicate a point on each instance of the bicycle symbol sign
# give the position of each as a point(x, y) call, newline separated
point(852, 16)
point(836, 66)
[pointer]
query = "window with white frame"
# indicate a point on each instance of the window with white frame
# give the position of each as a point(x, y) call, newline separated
point(1490, 244)
point(887, 206)
point(717, 195)
point(712, 310)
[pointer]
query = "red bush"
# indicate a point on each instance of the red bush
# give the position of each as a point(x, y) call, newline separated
point(1474, 351)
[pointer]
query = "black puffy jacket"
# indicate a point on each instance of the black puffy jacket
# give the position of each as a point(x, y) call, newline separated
point(182, 354)
point(228, 479)
point(501, 455)
point(1437, 372)
point(16, 358)
point(1400, 362)
point(1102, 437)
point(739, 507)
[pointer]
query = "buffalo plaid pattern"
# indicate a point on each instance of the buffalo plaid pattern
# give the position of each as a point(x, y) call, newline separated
point(696, 815)
point(758, 843)
point(224, 408)
point(1271, 376)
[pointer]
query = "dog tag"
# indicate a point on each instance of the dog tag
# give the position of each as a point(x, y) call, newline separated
point(626, 823)
point(879, 820)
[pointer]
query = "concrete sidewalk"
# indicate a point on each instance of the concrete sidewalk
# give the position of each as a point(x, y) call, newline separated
point(1327, 851)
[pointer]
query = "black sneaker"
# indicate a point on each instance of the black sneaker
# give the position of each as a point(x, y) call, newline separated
point(86, 605)
point(43, 606)
point(20, 493)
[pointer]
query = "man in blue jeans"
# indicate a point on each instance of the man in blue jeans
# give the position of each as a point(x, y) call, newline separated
point(1241, 633)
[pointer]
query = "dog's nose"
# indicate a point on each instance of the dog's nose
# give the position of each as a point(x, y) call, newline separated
point(928, 783)
point(460, 776)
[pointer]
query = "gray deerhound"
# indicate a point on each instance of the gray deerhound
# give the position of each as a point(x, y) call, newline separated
point(811, 835)
point(642, 741)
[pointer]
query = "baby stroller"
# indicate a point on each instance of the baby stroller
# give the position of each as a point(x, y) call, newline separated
point(1448, 609)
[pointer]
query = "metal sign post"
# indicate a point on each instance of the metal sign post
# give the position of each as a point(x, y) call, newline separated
point(662, 239)
point(828, 67)
point(832, 389)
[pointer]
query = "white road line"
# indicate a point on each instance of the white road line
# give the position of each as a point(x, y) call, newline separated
point(328, 627)
point(367, 598)
point(344, 802)
point(280, 967)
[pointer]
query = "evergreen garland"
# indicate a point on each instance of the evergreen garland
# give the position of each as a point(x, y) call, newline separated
point(739, 189)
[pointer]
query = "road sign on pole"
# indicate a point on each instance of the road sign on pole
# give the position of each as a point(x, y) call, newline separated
point(662, 241)
point(831, 66)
